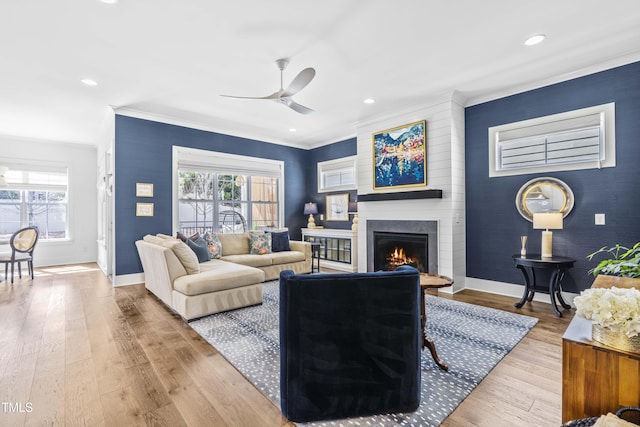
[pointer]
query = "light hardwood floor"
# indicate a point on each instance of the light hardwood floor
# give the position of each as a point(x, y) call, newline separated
point(76, 351)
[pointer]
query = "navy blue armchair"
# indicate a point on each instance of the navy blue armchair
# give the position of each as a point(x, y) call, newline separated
point(349, 344)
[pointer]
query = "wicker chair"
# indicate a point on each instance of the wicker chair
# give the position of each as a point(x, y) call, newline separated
point(22, 244)
point(630, 414)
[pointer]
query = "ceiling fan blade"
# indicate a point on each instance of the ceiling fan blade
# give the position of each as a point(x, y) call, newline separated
point(297, 107)
point(274, 95)
point(302, 79)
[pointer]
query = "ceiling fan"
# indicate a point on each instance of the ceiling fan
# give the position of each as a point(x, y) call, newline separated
point(283, 96)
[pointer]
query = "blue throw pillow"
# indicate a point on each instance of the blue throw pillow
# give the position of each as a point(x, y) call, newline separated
point(280, 241)
point(200, 248)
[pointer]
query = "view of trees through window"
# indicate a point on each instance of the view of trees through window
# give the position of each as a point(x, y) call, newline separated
point(226, 203)
point(45, 209)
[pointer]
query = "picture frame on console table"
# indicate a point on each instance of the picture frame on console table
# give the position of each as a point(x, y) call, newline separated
point(400, 156)
point(337, 207)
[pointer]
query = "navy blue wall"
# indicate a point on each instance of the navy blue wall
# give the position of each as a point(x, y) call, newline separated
point(493, 224)
point(333, 151)
point(143, 153)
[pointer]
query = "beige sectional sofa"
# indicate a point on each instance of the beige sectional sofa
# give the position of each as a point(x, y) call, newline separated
point(192, 289)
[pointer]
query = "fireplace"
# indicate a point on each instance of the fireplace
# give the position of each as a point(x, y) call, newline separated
point(395, 249)
point(392, 243)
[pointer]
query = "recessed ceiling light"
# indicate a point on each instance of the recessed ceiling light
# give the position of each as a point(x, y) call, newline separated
point(109, 1)
point(89, 82)
point(369, 101)
point(538, 38)
point(292, 129)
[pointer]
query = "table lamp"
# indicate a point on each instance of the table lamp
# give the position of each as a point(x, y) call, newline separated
point(547, 221)
point(353, 210)
point(310, 209)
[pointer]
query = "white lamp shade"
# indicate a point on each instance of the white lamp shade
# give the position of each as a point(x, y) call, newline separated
point(547, 220)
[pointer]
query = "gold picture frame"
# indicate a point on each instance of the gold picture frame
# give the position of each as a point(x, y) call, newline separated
point(144, 209)
point(400, 156)
point(337, 206)
point(144, 189)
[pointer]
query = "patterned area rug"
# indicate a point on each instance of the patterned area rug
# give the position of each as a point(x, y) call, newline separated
point(469, 338)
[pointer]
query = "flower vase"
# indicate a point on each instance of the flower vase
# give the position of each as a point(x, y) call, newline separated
point(618, 340)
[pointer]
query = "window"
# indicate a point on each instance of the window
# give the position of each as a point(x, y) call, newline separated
point(35, 196)
point(227, 194)
point(336, 175)
point(579, 139)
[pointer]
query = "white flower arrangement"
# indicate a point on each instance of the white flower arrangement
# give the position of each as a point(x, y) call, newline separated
point(615, 308)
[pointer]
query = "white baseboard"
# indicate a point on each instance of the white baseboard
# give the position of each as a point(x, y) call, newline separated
point(129, 279)
point(511, 290)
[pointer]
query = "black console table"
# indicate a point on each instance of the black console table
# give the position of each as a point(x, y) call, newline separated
point(557, 264)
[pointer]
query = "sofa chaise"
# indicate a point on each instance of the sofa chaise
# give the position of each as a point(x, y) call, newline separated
point(194, 289)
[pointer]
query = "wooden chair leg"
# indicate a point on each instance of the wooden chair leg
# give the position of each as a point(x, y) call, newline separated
point(12, 269)
point(20, 269)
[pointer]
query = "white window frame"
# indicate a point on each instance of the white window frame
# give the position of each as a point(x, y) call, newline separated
point(185, 157)
point(25, 186)
point(342, 168)
point(543, 128)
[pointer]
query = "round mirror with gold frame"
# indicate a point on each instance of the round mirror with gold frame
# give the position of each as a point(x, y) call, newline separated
point(544, 194)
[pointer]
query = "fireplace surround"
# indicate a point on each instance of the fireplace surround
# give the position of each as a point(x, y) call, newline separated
point(415, 231)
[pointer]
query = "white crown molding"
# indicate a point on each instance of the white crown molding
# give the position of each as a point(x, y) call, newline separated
point(591, 69)
point(161, 118)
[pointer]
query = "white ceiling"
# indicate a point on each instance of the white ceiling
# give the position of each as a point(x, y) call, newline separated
point(170, 60)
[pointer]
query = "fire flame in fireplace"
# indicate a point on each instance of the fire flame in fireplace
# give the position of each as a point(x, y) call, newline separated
point(398, 258)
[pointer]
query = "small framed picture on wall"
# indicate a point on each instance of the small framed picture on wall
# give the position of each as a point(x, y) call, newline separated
point(144, 209)
point(338, 207)
point(144, 189)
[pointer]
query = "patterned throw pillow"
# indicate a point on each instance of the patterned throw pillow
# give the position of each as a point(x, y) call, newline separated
point(260, 244)
point(215, 245)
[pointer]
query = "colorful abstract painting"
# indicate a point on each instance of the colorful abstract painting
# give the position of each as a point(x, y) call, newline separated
point(399, 156)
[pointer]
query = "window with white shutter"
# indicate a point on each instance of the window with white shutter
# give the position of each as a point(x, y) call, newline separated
point(580, 139)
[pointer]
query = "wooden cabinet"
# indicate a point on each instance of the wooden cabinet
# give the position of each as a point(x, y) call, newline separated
point(596, 378)
point(338, 248)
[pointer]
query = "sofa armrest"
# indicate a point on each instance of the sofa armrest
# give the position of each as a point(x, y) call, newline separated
point(299, 246)
point(161, 267)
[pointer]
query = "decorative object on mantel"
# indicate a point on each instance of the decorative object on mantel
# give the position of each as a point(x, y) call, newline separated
point(523, 248)
point(547, 221)
point(311, 209)
point(400, 156)
point(353, 210)
point(615, 314)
